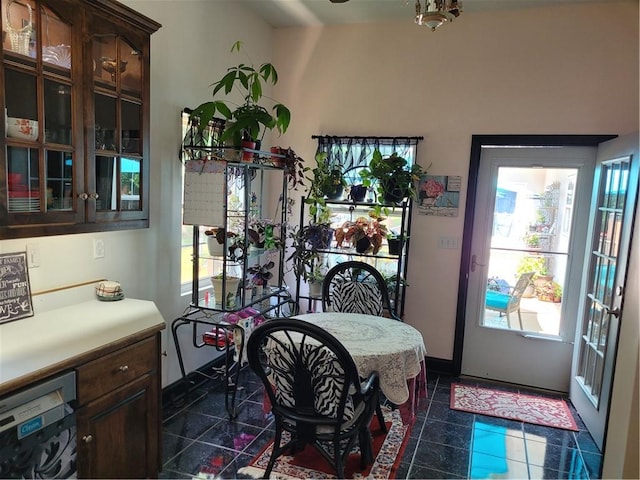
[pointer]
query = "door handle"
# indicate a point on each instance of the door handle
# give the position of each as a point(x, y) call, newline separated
point(474, 263)
point(615, 312)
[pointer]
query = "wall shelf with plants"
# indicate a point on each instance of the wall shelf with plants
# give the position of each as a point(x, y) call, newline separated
point(335, 227)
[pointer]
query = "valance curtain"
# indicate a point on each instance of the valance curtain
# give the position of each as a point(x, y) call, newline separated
point(354, 152)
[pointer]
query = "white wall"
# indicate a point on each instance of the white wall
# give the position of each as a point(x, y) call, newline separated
point(547, 70)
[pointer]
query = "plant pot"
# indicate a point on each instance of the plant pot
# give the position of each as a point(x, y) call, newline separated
point(215, 249)
point(248, 156)
point(231, 291)
point(334, 192)
point(277, 158)
point(363, 245)
point(358, 193)
point(394, 195)
point(530, 291)
point(395, 246)
point(315, 288)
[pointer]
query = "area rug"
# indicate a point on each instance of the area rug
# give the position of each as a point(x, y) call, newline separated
point(308, 463)
point(548, 412)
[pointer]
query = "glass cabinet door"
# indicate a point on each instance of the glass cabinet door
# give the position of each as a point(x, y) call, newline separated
point(119, 152)
point(40, 153)
point(75, 153)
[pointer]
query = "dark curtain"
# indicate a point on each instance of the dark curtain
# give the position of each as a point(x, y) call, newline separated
point(353, 152)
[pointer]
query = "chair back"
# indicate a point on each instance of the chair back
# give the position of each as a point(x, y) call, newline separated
point(308, 374)
point(356, 287)
point(521, 285)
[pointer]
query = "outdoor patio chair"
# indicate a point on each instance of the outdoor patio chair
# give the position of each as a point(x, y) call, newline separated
point(507, 303)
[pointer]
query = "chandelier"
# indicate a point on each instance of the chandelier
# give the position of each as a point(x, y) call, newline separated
point(437, 12)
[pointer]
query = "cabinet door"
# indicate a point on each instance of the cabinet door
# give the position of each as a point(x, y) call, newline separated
point(117, 130)
point(43, 151)
point(118, 433)
point(75, 82)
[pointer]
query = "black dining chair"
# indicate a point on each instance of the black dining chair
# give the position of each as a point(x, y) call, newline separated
point(356, 287)
point(315, 392)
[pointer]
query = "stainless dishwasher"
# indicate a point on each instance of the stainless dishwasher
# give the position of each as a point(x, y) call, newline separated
point(38, 430)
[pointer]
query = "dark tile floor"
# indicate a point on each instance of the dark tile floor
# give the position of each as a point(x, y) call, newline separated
point(444, 443)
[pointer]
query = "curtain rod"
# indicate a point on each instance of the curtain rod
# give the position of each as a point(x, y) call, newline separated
point(370, 138)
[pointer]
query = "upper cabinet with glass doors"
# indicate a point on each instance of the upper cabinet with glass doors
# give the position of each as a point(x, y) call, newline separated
point(75, 77)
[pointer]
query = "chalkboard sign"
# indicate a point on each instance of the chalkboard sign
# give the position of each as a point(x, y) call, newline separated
point(15, 293)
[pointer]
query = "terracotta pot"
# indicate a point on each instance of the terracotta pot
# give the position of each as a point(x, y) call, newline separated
point(248, 156)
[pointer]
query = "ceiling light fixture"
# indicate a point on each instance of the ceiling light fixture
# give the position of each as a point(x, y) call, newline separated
point(437, 12)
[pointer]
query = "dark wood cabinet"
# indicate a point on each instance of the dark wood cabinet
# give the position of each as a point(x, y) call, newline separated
point(75, 157)
point(118, 418)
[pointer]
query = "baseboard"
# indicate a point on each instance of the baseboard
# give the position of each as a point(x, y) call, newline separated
point(439, 366)
point(194, 379)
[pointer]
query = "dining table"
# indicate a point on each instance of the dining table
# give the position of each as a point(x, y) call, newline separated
point(392, 348)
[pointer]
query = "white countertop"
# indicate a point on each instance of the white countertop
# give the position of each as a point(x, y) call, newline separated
point(31, 344)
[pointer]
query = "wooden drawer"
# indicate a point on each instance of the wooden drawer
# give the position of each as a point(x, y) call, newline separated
point(116, 369)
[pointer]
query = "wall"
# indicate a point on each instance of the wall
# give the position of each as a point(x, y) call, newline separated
point(550, 70)
point(545, 70)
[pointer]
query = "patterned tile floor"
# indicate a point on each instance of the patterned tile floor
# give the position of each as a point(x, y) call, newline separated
point(444, 443)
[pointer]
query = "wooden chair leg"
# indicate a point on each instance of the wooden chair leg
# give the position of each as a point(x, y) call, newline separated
point(380, 415)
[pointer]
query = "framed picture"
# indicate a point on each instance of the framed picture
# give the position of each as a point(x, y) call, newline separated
point(15, 292)
point(439, 195)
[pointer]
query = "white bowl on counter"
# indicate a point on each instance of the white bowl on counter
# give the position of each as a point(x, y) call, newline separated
point(22, 128)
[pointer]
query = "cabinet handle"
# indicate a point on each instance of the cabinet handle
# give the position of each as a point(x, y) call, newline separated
point(94, 195)
point(124, 368)
point(83, 196)
point(87, 438)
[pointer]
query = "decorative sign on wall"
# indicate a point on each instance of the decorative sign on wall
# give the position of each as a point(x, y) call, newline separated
point(15, 292)
point(439, 195)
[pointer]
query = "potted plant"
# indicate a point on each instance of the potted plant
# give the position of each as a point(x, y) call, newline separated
point(327, 180)
point(308, 241)
point(264, 233)
point(261, 274)
point(293, 165)
point(248, 120)
point(315, 280)
point(532, 240)
point(228, 285)
point(366, 235)
point(395, 242)
point(549, 292)
point(392, 177)
point(217, 237)
point(538, 265)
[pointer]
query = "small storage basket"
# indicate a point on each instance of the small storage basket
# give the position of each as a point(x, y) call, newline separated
point(19, 37)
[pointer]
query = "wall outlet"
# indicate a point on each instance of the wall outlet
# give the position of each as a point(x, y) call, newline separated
point(98, 248)
point(33, 255)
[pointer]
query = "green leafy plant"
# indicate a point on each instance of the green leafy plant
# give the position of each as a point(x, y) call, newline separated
point(533, 263)
point(305, 257)
point(249, 120)
point(532, 240)
point(294, 167)
point(327, 179)
point(392, 177)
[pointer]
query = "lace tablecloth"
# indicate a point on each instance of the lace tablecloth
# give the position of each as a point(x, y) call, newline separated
point(393, 349)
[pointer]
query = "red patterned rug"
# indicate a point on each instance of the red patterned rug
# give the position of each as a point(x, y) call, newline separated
point(308, 463)
point(548, 412)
